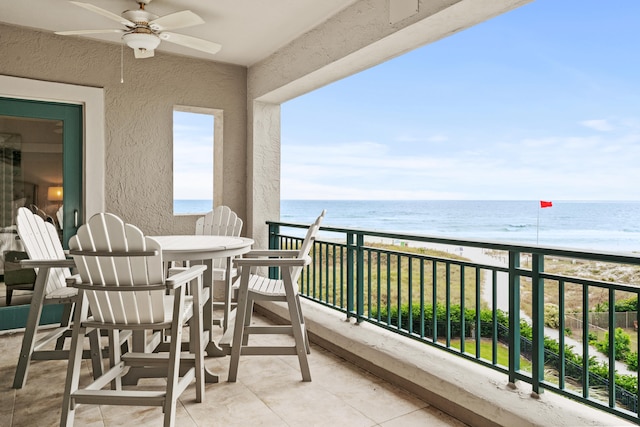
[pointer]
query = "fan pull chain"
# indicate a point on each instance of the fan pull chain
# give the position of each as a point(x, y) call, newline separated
point(121, 62)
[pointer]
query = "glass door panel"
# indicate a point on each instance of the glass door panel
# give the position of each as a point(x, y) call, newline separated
point(30, 168)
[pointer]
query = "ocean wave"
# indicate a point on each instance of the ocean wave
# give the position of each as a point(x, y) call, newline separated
point(516, 226)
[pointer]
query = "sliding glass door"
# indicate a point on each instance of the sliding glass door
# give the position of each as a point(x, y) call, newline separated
point(41, 169)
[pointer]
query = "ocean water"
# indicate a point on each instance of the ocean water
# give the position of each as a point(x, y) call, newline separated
point(181, 207)
point(592, 225)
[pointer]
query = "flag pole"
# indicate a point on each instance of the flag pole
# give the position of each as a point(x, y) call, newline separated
point(543, 204)
point(538, 225)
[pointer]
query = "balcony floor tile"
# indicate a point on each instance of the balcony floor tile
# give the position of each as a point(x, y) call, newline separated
point(269, 392)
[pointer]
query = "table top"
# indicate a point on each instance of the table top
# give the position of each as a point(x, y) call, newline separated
point(195, 247)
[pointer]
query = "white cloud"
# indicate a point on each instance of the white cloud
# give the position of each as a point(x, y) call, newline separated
point(599, 125)
point(567, 168)
point(436, 138)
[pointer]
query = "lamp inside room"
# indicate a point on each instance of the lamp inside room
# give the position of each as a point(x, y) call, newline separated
point(54, 194)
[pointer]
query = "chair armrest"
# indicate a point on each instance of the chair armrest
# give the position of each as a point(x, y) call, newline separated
point(73, 280)
point(114, 254)
point(47, 263)
point(185, 276)
point(116, 288)
point(271, 253)
point(273, 262)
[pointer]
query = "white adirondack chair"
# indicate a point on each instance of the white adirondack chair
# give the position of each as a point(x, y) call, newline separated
point(42, 244)
point(254, 287)
point(221, 221)
point(123, 285)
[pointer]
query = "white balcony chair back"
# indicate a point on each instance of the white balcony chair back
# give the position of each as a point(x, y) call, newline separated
point(41, 241)
point(221, 221)
point(254, 287)
point(123, 285)
point(42, 244)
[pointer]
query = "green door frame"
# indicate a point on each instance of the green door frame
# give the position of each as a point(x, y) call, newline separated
point(71, 116)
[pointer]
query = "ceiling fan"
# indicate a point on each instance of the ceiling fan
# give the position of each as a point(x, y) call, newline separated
point(144, 30)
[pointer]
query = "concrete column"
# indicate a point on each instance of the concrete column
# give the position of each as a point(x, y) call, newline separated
point(263, 168)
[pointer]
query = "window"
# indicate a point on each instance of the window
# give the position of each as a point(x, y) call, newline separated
point(193, 159)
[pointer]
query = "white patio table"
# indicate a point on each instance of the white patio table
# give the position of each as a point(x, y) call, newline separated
point(206, 248)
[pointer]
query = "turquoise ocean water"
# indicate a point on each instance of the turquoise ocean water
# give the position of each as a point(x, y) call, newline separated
point(595, 225)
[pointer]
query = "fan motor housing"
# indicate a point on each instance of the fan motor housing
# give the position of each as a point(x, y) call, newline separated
point(139, 17)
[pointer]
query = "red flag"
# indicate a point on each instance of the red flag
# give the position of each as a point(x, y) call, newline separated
point(544, 204)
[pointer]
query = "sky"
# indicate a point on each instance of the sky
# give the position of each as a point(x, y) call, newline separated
point(192, 155)
point(540, 103)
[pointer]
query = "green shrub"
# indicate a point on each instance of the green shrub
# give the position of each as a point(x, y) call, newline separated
point(621, 340)
point(632, 361)
point(629, 304)
point(486, 320)
point(552, 359)
point(551, 316)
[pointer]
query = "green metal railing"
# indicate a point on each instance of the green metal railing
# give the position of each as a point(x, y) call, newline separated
point(453, 303)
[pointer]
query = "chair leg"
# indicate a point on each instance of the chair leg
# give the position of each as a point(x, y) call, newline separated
point(173, 373)
point(195, 339)
point(247, 319)
point(75, 362)
point(65, 320)
point(297, 326)
point(227, 294)
point(304, 325)
point(9, 295)
point(29, 339)
point(96, 352)
point(298, 336)
point(115, 355)
point(238, 331)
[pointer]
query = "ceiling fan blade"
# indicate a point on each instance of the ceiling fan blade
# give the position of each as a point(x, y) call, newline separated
point(104, 13)
point(142, 53)
point(173, 21)
point(79, 32)
point(192, 42)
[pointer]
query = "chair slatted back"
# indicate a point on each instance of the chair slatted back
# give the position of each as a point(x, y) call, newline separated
point(107, 233)
point(307, 244)
point(221, 221)
point(41, 242)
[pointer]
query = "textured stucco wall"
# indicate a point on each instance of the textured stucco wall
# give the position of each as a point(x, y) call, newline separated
point(138, 116)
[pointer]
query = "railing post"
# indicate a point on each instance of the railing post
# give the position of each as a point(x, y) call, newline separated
point(612, 348)
point(359, 276)
point(350, 250)
point(274, 243)
point(514, 316)
point(537, 314)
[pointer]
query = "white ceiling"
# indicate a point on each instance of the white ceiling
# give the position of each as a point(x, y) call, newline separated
point(248, 30)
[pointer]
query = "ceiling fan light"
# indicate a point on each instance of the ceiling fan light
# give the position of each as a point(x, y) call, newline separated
point(141, 41)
